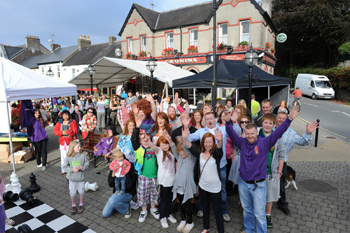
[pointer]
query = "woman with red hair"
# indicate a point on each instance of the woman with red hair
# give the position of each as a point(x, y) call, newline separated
point(196, 119)
point(147, 108)
point(281, 107)
point(209, 158)
point(161, 126)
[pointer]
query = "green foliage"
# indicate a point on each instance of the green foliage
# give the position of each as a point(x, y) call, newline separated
point(338, 76)
point(243, 43)
point(344, 49)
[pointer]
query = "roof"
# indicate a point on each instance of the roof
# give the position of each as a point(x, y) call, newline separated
point(32, 62)
point(115, 71)
point(185, 16)
point(59, 55)
point(12, 51)
point(91, 54)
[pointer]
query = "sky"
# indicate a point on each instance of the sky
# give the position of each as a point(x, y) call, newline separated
point(65, 20)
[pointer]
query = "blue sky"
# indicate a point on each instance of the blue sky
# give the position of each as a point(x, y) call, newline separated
point(68, 19)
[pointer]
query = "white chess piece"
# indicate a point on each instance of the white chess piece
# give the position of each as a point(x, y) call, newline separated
point(89, 186)
point(15, 186)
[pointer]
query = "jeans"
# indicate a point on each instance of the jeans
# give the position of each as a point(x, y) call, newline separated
point(118, 203)
point(215, 198)
point(40, 152)
point(100, 120)
point(185, 209)
point(165, 202)
point(282, 202)
point(223, 175)
point(120, 183)
point(254, 204)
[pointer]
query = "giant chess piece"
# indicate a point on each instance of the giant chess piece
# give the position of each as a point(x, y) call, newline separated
point(89, 186)
point(24, 229)
point(10, 196)
point(15, 186)
point(34, 187)
point(26, 195)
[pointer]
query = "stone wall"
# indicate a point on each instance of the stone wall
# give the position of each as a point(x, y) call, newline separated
point(342, 95)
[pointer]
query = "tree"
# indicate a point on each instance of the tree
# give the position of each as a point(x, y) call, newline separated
point(315, 30)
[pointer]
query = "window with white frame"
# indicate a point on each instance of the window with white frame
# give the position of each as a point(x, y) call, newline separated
point(73, 73)
point(42, 70)
point(143, 43)
point(58, 71)
point(130, 45)
point(244, 30)
point(194, 37)
point(223, 33)
point(169, 40)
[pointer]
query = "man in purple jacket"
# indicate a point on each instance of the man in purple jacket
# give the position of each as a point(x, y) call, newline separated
point(254, 153)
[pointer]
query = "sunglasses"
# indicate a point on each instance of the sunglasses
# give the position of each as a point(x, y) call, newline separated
point(90, 112)
point(244, 122)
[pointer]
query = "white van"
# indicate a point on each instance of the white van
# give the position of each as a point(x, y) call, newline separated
point(315, 86)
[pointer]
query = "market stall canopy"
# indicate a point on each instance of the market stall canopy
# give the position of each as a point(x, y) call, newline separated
point(115, 71)
point(20, 83)
point(230, 74)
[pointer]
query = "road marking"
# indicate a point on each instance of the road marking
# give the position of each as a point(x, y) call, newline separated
point(311, 105)
point(335, 111)
point(323, 129)
point(346, 114)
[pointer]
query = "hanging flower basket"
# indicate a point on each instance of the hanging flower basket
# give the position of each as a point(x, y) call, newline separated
point(143, 54)
point(168, 51)
point(129, 55)
point(221, 46)
point(267, 46)
point(193, 49)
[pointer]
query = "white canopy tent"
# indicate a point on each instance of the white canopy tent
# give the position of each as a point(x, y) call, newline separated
point(20, 83)
point(115, 71)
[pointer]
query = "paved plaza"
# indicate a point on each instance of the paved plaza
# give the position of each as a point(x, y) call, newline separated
point(321, 204)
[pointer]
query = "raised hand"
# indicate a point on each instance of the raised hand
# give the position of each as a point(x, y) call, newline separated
point(312, 127)
point(167, 136)
point(234, 115)
point(186, 123)
point(185, 133)
point(135, 108)
point(218, 136)
point(294, 113)
point(227, 116)
point(149, 98)
point(138, 118)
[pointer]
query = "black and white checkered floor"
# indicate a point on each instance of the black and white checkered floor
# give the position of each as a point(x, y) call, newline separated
point(41, 218)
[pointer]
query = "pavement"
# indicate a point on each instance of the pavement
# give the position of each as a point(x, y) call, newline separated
point(321, 204)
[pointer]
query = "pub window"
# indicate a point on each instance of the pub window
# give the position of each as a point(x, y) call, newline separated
point(130, 45)
point(245, 28)
point(223, 33)
point(194, 37)
point(143, 43)
point(169, 40)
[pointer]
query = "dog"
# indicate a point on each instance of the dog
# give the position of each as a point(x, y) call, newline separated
point(290, 178)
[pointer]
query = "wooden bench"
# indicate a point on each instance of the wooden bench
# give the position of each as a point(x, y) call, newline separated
point(91, 141)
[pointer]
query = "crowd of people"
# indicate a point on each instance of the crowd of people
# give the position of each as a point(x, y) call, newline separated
point(167, 155)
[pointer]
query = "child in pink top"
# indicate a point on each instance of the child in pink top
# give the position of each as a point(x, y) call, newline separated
point(120, 168)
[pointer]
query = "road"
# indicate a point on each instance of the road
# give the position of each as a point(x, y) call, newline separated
point(334, 117)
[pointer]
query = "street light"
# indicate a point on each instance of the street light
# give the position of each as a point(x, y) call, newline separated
point(91, 73)
point(151, 65)
point(250, 58)
point(49, 73)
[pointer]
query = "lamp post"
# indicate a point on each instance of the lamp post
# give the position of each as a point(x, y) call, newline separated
point(91, 73)
point(250, 58)
point(213, 88)
point(49, 73)
point(151, 65)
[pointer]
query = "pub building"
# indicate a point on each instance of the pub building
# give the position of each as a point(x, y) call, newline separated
point(184, 37)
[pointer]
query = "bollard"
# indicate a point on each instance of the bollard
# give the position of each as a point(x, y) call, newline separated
point(316, 136)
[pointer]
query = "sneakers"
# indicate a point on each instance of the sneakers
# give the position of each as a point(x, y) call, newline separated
point(128, 212)
point(155, 213)
point(80, 209)
point(181, 226)
point(43, 168)
point(269, 222)
point(200, 214)
point(143, 215)
point(172, 219)
point(226, 217)
point(188, 228)
point(164, 223)
point(73, 210)
point(40, 165)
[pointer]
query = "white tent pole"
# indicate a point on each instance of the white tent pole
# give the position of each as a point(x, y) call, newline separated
point(194, 96)
point(268, 92)
point(288, 94)
point(166, 90)
point(173, 94)
point(237, 90)
point(10, 136)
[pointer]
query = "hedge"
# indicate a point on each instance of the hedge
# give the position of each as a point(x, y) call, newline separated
point(339, 76)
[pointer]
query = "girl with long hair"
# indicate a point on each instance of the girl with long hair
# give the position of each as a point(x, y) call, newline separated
point(209, 158)
point(74, 165)
point(196, 119)
point(38, 136)
point(160, 127)
point(281, 107)
point(166, 175)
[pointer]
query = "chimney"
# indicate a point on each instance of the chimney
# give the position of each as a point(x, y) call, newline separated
point(112, 39)
point(32, 42)
point(267, 6)
point(83, 42)
point(53, 47)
